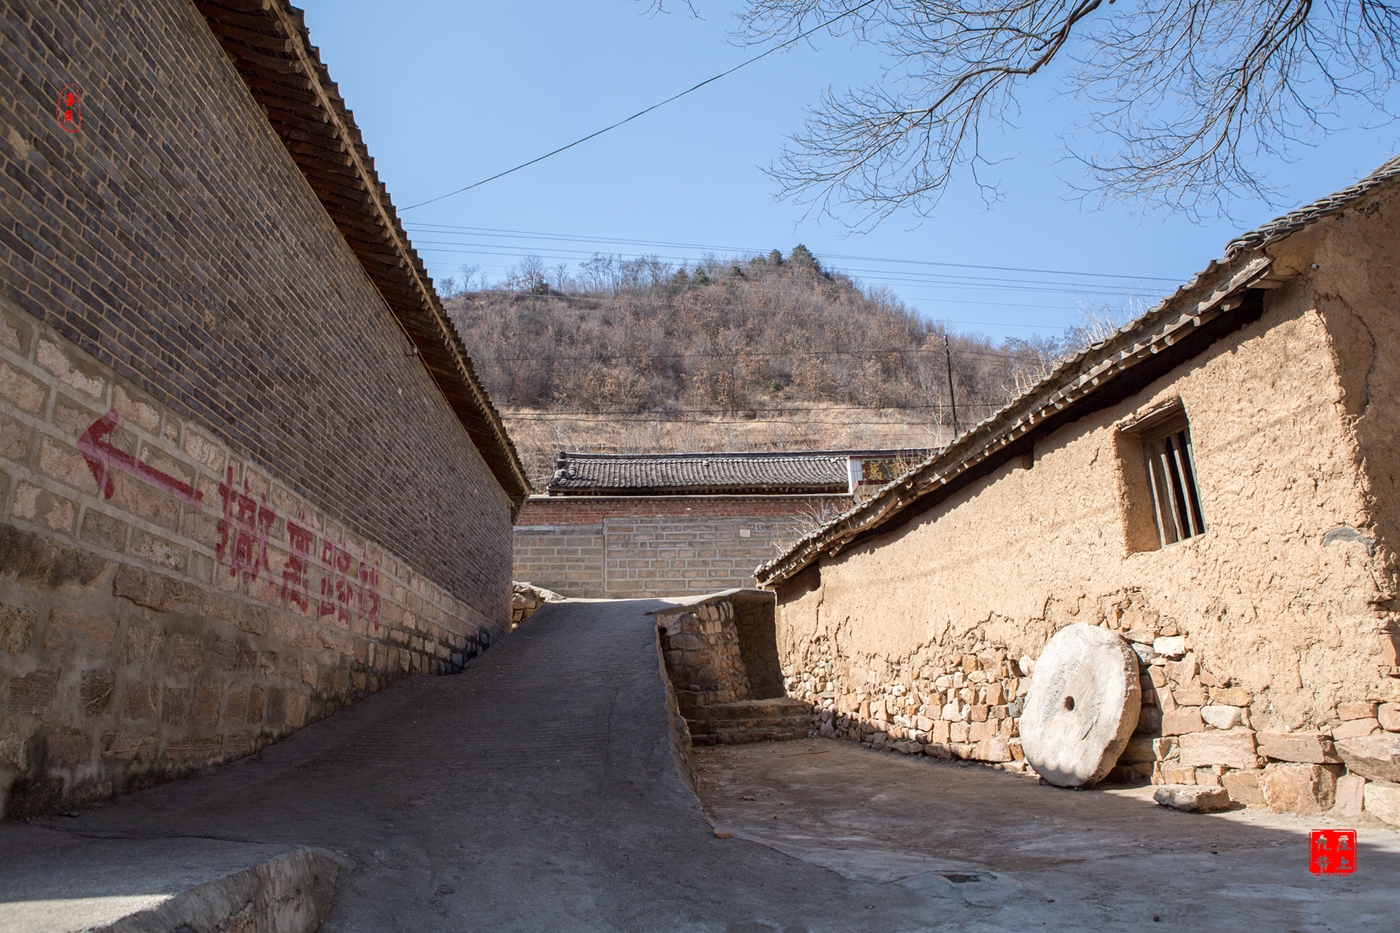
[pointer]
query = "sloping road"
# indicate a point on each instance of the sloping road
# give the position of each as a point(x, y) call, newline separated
point(536, 791)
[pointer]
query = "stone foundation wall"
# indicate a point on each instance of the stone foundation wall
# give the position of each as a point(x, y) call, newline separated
point(167, 603)
point(631, 547)
point(963, 700)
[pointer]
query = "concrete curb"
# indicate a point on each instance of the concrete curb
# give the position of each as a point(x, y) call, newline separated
point(68, 884)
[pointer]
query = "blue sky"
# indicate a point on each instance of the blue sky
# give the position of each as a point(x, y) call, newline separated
point(447, 93)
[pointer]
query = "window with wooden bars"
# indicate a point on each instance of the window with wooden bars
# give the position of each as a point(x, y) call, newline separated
point(1171, 479)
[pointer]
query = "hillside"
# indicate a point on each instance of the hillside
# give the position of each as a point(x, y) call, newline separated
point(756, 353)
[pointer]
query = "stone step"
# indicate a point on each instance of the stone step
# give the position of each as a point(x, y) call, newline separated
point(711, 727)
point(746, 736)
point(754, 709)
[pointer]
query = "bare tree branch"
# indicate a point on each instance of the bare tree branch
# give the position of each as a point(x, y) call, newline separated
point(1182, 98)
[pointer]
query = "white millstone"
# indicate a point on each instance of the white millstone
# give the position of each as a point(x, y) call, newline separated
point(1082, 706)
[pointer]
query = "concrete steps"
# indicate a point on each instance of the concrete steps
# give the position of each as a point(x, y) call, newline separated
point(775, 720)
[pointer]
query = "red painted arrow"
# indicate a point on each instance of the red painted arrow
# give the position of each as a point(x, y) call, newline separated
point(102, 456)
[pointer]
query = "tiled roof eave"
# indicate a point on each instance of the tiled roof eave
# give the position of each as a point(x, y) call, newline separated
point(270, 48)
point(1073, 380)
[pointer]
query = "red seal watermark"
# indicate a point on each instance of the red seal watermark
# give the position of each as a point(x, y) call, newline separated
point(1333, 852)
point(70, 109)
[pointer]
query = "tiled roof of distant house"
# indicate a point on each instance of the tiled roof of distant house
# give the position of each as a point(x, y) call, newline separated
point(812, 473)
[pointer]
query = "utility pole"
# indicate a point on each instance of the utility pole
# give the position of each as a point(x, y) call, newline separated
point(952, 396)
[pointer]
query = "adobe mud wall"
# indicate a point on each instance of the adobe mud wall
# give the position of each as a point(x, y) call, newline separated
point(231, 499)
point(1269, 623)
point(627, 547)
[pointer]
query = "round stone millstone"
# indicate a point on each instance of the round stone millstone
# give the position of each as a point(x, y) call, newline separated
point(1082, 706)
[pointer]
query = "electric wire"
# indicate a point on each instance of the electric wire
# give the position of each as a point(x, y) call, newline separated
point(640, 113)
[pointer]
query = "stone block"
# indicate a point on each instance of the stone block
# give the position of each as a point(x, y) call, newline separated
point(1164, 747)
point(993, 749)
point(981, 731)
point(1139, 748)
point(1207, 777)
point(1171, 646)
point(1223, 717)
point(1177, 774)
point(33, 693)
point(128, 746)
point(69, 632)
point(1303, 747)
point(95, 692)
point(16, 629)
point(1351, 797)
point(939, 732)
point(1382, 800)
point(1375, 757)
point(174, 705)
point(22, 390)
point(1149, 720)
point(1191, 798)
point(1183, 671)
point(104, 531)
point(1243, 787)
point(1388, 715)
point(206, 703)
point(194, 751)
point(186, 652)
point(1190, 695)
point(1233, 749)
point(1305, 789)
point(81, 376)
point(67, 748)
point(1363, 709)
point(141, 701)
point(1182, 720)
point(1356, 728)
point(1230, 696)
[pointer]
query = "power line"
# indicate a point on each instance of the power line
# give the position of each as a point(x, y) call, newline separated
point(640, 113)
point(732, 356)
point(789, 410)
point(892, 277)
point(664, 244)
point(752, 310)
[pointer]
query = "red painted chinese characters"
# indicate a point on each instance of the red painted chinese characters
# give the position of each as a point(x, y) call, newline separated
point(1333, 852)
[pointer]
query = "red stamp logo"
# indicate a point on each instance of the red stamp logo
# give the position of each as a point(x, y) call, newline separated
point(1333, 852)
point(70, 109)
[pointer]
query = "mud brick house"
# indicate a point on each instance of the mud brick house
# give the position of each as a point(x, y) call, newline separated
point(614, 525)
point(247, 473)
point(1217, 483)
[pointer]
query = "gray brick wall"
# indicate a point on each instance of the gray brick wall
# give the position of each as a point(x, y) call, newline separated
point(636, 557)
point(175, 241)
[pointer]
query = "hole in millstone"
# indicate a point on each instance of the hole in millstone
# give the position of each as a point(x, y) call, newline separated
point(961, 879)
point(1069, 702)
point(661, 630)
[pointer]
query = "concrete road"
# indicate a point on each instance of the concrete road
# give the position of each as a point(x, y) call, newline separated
point(536, 791)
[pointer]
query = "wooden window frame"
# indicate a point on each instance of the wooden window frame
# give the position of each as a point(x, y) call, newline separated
point(1170, 464)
